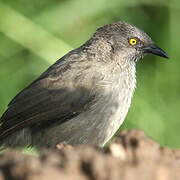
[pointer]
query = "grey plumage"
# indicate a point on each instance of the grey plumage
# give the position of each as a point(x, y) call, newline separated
point(84, 97)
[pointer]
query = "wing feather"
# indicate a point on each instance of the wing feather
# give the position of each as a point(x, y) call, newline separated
point(51, 98)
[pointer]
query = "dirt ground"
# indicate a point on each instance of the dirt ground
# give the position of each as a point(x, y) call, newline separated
point(130, 156)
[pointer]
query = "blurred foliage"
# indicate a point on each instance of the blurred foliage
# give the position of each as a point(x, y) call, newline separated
point(34, 34)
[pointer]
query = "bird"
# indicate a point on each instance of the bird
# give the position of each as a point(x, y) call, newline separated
point(84, 97)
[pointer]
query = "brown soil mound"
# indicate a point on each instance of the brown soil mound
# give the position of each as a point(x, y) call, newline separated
point(131, 156)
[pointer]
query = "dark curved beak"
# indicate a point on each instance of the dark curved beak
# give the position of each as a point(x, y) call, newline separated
point(153, 49)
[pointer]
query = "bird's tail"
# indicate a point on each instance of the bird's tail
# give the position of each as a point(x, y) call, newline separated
point(20, 138)
point(1, 141)
point(1, 145)
point(2, 148)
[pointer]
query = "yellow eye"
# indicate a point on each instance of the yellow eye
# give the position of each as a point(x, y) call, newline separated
point(133, 41)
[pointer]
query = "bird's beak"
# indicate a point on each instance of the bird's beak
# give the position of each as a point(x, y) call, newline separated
point(153, 49)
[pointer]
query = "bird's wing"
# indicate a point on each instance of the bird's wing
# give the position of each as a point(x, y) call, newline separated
point(56, 96)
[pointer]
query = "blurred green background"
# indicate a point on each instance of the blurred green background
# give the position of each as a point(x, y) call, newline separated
point(34, 34)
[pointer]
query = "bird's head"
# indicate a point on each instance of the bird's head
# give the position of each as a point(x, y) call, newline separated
point(129, 41)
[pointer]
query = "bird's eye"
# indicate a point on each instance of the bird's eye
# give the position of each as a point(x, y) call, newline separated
point(133, 41)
